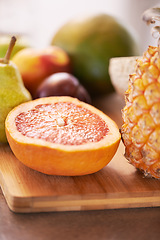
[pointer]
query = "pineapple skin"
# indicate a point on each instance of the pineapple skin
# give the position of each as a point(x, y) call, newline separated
point(141, 115)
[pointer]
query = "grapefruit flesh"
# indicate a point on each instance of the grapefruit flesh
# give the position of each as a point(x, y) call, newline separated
point(62, 136)
point(63, 123)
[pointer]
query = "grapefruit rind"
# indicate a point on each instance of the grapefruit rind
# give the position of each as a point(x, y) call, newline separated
point(58, 159)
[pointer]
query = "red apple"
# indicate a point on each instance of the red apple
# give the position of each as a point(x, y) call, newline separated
point(37, 64)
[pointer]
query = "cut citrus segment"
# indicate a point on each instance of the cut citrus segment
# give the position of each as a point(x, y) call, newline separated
point(62, 136)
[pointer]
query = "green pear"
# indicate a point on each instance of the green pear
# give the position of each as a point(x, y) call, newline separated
point(12, 90)
point(21, 43)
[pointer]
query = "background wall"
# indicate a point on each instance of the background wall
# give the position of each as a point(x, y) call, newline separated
point(40, 19)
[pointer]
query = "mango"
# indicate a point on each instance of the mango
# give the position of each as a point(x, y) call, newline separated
point(90, 43)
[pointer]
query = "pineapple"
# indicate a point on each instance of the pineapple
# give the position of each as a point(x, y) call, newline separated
point(141, 114)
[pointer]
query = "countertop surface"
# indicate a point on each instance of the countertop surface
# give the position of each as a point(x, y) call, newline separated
point(142, 223)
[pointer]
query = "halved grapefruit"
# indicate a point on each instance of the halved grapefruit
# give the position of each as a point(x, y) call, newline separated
point(62, 136)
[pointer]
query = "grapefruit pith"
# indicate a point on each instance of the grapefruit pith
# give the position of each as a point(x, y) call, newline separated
point(62, 136)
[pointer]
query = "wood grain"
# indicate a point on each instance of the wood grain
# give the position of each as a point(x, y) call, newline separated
point(118, 185)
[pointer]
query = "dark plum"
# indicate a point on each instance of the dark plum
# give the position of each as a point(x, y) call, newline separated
point(62, 84)
point(82, 94)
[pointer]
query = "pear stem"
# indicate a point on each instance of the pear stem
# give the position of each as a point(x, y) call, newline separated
point(9, 51)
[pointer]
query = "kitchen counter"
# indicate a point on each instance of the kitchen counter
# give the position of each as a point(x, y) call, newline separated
point(142, 223)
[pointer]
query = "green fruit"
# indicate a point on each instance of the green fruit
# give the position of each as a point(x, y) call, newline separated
point(90, 43)
point(12, 91)
point(4, 42)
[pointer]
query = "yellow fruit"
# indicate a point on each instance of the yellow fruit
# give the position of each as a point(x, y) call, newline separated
point(62, 136)
point(141, 115)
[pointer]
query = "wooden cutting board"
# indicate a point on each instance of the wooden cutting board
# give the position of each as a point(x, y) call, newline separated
point(118, 185)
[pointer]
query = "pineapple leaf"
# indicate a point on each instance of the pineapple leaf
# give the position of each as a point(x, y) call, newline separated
point(151, 15)
point(156, 31)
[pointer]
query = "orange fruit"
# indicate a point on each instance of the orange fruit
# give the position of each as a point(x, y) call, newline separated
point(62, 136)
